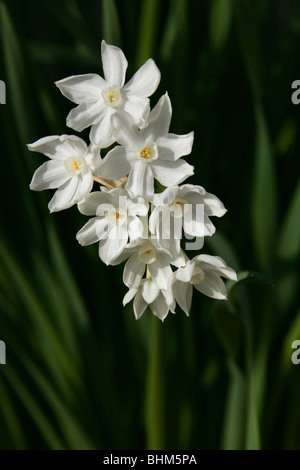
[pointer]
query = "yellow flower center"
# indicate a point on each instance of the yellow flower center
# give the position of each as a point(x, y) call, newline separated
point(117, 215)
point(145, 153)
point(148, 252)
point(75, 166)
point(111, 97)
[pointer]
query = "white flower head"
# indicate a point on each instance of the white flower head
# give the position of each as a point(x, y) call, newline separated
point(100, 98)
point(148, 153)
point(147, 294)
point(117, 221)
point(70, 169)
point(188, 208)
point(203, 272)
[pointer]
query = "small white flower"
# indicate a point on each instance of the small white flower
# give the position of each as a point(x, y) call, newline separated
point(186, 207)
point(70, 169)
point(116, 221)
point(204, 273)
point(98, 98)
point(149, 153)
point(147, 293)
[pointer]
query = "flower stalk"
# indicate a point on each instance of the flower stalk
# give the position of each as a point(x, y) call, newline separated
point(155, 397)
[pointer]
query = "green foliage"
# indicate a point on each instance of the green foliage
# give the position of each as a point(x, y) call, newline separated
point(81, 373)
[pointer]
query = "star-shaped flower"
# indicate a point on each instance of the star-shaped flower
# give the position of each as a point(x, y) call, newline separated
point(100, 98)
point(70, 169)
point(117, 220)
point(204, 272)
point(147, 293)
point(149, 153)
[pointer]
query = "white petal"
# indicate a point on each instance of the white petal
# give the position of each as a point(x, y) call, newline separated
point(159, 119)
point(139, 305)
point(82, 88)
point(172, 146)
point(46, 145)
point(150, 291)
point(185, 273)
point(213, 286)
point(217, 264)
point(126, 253)
point(140, 180)
point(60, 147)
point(166, 197)
point(84, 186)
point(213, 205)
point(114, 64)
point(72, 192)
point(198, 195)
point(160, 271)
point(159, 307)
point(49, 175)
point(102, 132)
point(133, 271)
point(92, 201)
point(85, 115)
point(171, 173)
point(129, 296)
point(113, 245)
point(135, 229)
point(63, 198)
point(126, 131)
point(145, 81)
point(195, 221)
point(93, 158)
point(138, 108)
point(183, 295)
point(90, 231)
point(115, 165)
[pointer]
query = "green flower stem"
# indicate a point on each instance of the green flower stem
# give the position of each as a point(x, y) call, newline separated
point(155, 388)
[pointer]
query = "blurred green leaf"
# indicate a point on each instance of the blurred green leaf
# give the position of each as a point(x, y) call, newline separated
point(246, 277)
point(220, 22)
point(148, 29)
point(233, 433)
point(228, 329)
point(175, 25)
point(110, 23)
point(16, 77)
point(289, 237)
point(264, 203)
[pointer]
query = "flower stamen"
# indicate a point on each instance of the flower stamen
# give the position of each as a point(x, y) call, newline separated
point(111, 97)
point(75, 166)
point(145, 153)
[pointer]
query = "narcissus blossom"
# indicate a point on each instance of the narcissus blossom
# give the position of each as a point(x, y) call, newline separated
point(100, 98)
point(70, 169)
point(130, 221)
point(203, 272)
point(148, 294)
point(149, 153)
point(115, 223)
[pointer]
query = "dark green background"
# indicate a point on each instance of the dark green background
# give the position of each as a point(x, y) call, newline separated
point(79, 372)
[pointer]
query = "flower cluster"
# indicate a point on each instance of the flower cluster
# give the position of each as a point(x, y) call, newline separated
point(140, 212)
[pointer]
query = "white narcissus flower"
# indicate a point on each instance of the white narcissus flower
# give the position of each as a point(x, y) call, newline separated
point(99, 98)
point(145, 255)
point(147, 293)
point(70, 169)
point(116, 221)
point(204, 272)
point(149, 153)
point(190, 205)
